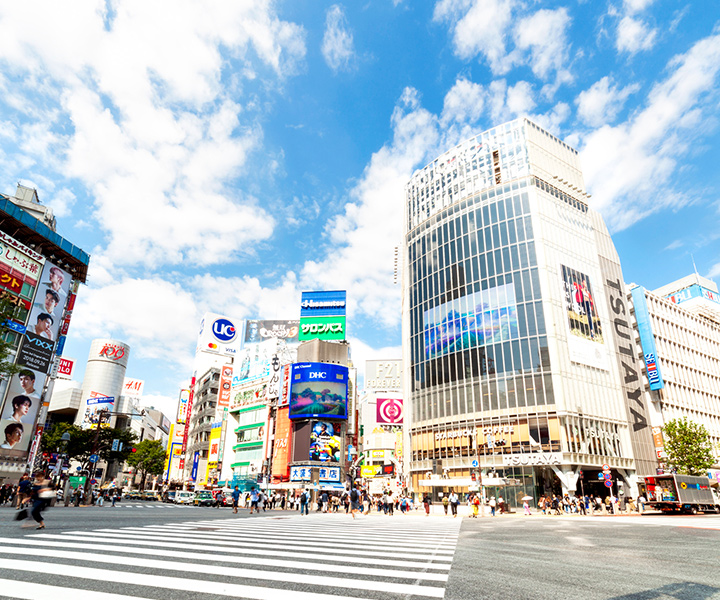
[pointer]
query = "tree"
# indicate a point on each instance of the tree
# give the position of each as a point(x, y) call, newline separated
point(688, 447)
point(83, 443)
point(148, 459)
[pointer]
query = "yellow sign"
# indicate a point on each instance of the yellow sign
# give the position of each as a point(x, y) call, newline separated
point(683, 485)
point(377, 453)
point(369, 471)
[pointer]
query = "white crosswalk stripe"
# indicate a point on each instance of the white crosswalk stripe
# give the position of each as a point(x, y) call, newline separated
point(319, 557)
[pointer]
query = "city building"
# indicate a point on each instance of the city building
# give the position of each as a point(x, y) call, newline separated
point(40, 274)
point(382, 433)
point(519, 377)
point(678, 340)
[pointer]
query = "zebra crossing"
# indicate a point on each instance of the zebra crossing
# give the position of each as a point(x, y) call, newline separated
point(318, 557)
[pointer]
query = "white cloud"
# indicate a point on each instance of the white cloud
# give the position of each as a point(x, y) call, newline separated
point(337, 45)
point(479, 27)
point(464, 103)
point(544, 35)
point(154, 135)
point(601, 104)
point(634, 35)
point(634, 6)
point(362, 239)
point(630, 168)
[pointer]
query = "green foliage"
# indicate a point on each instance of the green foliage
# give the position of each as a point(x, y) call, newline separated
point(84, 441)
point(7, 367)
point(148, 459)
point(688, 447)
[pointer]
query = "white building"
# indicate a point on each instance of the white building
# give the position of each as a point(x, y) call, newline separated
point(678, 338)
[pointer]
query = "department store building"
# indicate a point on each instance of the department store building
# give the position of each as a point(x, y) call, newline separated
point(517, 333)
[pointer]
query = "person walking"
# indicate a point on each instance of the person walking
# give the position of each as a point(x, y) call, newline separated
point(493, 504)
point(354, 501)
point(446, 503)
point(236, 498)
point(39, 496)
point(454, 501)
point(475, 506)
point(304, 499)
point(426, 503)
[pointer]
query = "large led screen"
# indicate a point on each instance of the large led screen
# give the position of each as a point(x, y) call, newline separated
point(325, 442)
point(318, 390)
point(478, 319)
point(580, 305)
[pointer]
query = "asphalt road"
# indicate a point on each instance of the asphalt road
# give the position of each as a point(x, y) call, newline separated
point(506, 558)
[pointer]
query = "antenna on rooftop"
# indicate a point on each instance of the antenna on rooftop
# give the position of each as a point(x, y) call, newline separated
point(692, 258)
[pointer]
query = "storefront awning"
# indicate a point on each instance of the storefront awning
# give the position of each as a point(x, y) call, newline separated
point(468, 482)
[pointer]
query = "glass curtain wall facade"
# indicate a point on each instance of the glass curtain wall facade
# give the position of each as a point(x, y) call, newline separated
point(507, 335)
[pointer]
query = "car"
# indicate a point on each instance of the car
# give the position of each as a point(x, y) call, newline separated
point(183, 497)
point(132, 495)
point(170, 496)
point(204, 498)
point(149, 495)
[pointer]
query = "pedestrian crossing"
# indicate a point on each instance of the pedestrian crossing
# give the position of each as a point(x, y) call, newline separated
point(268, 557)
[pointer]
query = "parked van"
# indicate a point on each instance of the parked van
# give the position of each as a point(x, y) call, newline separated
point(183, 497)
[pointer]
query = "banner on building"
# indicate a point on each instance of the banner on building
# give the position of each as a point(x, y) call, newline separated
point(133, 388)
point(390, 411)
point(182, 406)
point(281, 446)
point(225, 390)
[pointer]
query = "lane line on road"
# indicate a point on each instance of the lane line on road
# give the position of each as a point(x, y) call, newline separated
point(26, 590)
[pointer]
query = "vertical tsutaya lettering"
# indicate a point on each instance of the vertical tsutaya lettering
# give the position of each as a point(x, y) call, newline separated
point(621, 323)
point(630, 373)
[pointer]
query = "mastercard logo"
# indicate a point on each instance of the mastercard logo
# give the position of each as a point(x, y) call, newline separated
point(213, 346)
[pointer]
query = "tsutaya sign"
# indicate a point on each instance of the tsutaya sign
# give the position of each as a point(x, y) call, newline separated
point(540, 458)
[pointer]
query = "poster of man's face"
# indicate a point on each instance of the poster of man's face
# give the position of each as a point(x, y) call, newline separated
point(50, 299)
point(14, 435)
point(22, 401)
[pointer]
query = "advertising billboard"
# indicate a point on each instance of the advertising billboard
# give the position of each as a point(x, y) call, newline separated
point(182, 406)
point(478, 319)
point(66, 366)
point(21, 409)
point(245, 395)
point(284, 391)
point(647, 339)
point(390, 411)
point(50, 299)
point(281, 446)
point(323, 304)
point(97, 409)
point(253, 360)
point(133, 388)
point(385, 375)
point(326, 442)
point(318, 390)
point(259, 331)
point(586, 340)
point(225, 390)
point(322, 328)
point(220, 335)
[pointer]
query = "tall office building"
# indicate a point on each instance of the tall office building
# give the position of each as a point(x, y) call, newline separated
point(516, 326)
point(678, 339)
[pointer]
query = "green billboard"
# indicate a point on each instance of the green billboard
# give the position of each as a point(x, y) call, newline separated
point(322, 328)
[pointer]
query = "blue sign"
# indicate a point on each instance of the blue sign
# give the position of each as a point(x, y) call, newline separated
point(15, 326)
point(647, 339)
point(318, 390)
point(475, 464)
point(694, 291)
point(93, 458)
point(196, 460)
point(60, 345)
point(224, 330)
point(327, 304)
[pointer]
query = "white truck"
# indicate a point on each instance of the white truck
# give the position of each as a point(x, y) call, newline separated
point(683, 493)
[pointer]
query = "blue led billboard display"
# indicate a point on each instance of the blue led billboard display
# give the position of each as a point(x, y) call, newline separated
point(318, 390)
point(323, 304)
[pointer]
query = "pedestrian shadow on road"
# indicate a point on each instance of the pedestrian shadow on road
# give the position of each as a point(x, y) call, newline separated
point(678, 591)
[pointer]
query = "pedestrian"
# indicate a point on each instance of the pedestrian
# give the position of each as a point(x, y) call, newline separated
point(641, 503)
point(446, 503)
point(304, 499)
point(254, 500)
point(40, 494)
point(101, 499)
point(113, 495)
point(23, 491)
point(426, 503)
point(236, 499)
point(454, 501)
point(501, 504)
point(493, 504)
point(475, 506)
point(526, 508)
point(354, 501)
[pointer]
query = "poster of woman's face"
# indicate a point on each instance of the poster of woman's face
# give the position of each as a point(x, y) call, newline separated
point(23, 398)
point(50, 299)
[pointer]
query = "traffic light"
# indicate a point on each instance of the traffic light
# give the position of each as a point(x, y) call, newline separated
point(473, 476)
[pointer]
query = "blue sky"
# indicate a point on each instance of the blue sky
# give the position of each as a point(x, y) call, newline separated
point(223, 156)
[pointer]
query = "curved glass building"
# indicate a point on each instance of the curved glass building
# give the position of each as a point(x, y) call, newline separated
point(514, 324)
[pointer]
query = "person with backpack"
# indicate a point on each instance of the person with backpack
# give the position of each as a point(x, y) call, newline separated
point(304, 500)
point(354, 501)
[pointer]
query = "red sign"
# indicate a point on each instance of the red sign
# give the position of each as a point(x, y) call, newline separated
point(390, 411)
point(226, 373)
point(188, 412)
point(65, 367)
point(71, 302)
point(11, 283)
point(281, 449)
point(112, 351)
